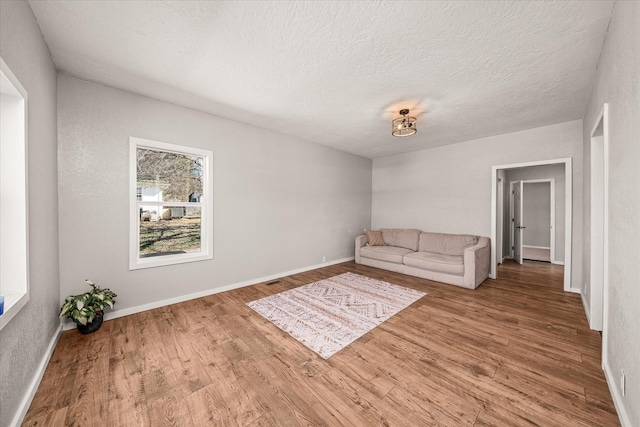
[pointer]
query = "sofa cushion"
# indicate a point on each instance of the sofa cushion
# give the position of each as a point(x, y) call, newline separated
point(401, 237)
point(441, 263)
point(384, 253)
point(448, 244)
point(375, 237)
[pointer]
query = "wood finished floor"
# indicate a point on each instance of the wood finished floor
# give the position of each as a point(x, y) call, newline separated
point(517, 351)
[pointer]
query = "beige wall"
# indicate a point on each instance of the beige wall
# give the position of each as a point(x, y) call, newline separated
point(448, 189)
point(617, 83)
point(24, 340)
point(280, 203)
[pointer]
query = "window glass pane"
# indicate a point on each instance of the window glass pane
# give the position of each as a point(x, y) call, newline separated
point(169, 230)
point(169, 177)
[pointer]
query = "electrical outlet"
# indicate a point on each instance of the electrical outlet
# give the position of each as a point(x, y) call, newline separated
point(324, 259)
point(622, 382)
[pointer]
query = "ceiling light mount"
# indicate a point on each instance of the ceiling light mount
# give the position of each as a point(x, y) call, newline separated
point(405, 125)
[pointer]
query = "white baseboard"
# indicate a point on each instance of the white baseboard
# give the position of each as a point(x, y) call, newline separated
point(67, 324)
point(618, 402)
point(493, 276)
point(536, 247)
point(557, 262)
point(575, 290)
point(35, 382)
point(587, 307)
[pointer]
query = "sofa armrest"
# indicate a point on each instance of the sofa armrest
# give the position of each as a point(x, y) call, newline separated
point(477, 260)
point(361, 241)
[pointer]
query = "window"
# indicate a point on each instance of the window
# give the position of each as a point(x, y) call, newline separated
point(14, 261)
point(171, 204)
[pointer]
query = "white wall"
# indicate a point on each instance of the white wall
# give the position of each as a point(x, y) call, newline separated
point(617, 83)
point(279, 203)
point(556, 172)
point(448, 189)
point(24, 340)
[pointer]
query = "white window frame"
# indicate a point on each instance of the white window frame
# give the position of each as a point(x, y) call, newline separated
point(14, 222)
point(206, 205)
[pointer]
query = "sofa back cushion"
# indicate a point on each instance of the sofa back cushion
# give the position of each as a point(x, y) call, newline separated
point(401, 237)
point(374, 237)
point(448, 244)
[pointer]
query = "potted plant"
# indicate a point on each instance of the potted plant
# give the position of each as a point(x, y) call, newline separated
point(87, 309)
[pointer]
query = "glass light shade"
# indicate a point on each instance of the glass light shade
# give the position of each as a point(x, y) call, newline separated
point(404, 126)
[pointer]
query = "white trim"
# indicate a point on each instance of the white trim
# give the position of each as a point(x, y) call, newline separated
point(552, 216)
point(14, 302)
point(599, 228)
point(35, 382)
point(568, 170)
point(605, 292)
point(512, 217)
point(10, 310)
point(500, 219)
point(206, 224)
point(596, 231)
point(568, 222)
point(557, 262)
point(574, 290)
point(552, 220)
point(618, 400)
point(494, 202)
point(585, 305)
point(140, 308)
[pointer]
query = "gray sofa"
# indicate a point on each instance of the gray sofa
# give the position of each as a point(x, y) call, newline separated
point(457, 259)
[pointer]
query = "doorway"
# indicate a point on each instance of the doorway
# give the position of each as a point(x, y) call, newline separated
point(532, 209)
point(563, 254)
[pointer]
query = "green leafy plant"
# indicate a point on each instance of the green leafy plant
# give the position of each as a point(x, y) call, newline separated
point(83, 308)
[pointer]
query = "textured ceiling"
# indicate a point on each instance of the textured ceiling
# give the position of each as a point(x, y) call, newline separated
point(337, 72)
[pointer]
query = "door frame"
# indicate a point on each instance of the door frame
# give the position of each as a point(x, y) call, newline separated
point(500, 222)
point(596, 306)
point(552, 214)
point(568, 212)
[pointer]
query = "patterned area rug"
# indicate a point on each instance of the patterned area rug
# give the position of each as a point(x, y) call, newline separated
point(328, 315)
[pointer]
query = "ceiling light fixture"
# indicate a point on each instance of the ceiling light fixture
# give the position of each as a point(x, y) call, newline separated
point(405, 125)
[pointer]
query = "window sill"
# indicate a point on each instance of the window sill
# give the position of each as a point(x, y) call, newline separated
point(167, 260)
point(13, 303)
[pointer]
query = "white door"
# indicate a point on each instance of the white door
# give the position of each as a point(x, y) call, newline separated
point(517, 221)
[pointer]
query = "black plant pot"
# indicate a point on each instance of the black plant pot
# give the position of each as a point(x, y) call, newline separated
point(90, 328)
